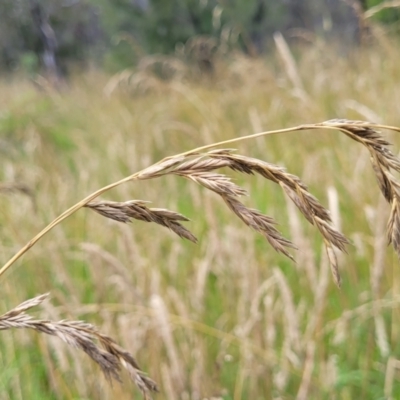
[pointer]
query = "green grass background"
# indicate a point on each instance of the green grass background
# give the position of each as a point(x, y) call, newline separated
point(227, 318)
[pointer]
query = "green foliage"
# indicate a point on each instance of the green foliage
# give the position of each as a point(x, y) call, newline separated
point(118, 33)
point(389, 16)
point(75, 26)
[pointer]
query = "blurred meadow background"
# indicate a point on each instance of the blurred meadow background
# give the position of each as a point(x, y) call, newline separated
point(91, 92)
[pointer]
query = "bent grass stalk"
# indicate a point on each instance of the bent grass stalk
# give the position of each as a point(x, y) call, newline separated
point(345, 126)
point(198, 165)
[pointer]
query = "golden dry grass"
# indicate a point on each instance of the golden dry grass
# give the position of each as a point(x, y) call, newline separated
point(227, 318)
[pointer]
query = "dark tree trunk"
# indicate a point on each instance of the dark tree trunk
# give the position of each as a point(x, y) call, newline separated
point(48, 39)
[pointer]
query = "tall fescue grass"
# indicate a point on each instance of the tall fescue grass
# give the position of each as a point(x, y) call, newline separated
point(228, 317)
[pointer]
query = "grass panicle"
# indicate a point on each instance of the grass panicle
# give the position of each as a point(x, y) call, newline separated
point(383, 161)
point(136, 209)
point(110, 356)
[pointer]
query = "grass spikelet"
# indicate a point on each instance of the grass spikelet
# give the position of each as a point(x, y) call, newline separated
point(261, 223)
point(199, 170)
point(83, 336)
point(297, 191)
point(218, 183)
point(393, 229)
point(383, 160)
point(136, 209)
point(333, 264)
point(384, 183)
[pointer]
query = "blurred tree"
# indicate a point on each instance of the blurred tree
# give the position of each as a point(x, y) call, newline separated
point(157, 26)
point(56, 33)
point(47, 37)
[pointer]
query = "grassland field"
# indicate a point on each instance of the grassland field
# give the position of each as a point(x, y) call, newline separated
point(226, 318)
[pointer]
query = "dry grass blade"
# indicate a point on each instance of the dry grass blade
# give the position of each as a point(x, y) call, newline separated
point(136, 209)
point(83, 336)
